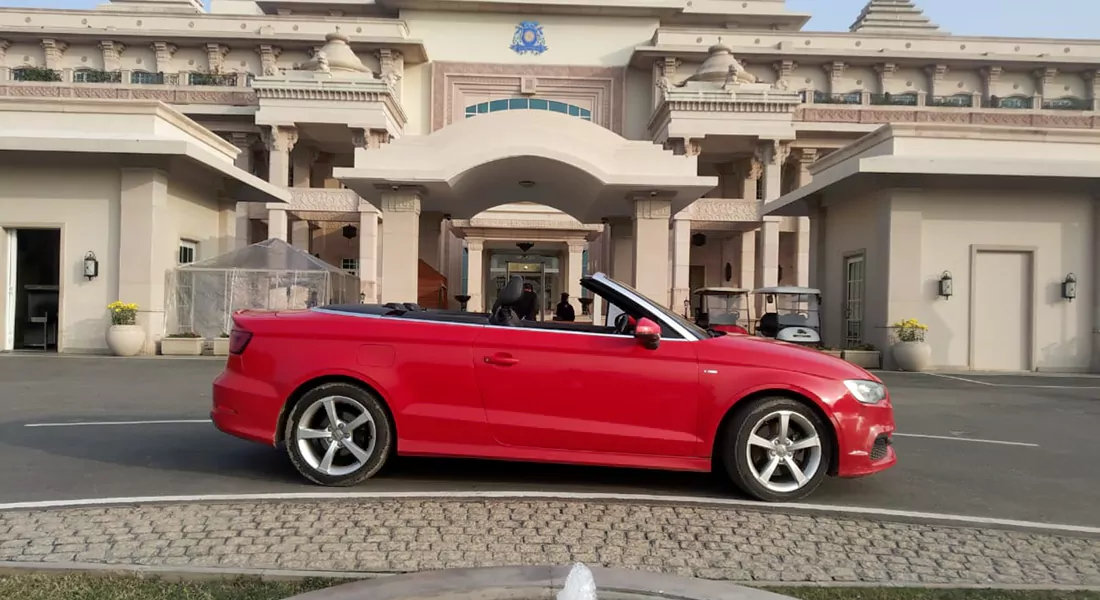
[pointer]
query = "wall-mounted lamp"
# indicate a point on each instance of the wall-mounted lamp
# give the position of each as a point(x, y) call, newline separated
point(1069, 287)
point(947, 285)
point(91, 265)
point(349, 231)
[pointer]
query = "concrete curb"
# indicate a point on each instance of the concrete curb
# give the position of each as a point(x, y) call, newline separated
point(797, 509)
point(535, 583)
point(215, 574)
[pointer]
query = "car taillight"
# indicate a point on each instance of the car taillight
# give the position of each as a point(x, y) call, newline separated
point(238, 340)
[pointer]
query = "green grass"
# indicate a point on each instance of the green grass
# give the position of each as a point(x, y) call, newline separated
point(123, 587)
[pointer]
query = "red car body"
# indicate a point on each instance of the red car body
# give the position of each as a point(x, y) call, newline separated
point(461, 389)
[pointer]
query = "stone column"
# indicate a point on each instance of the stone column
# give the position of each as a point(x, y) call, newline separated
point(681, 262)
point(280, 140)
point(651, 277)
point(55, 53)
point(400, 244)
point(574, 270)
point(301, 167)
point(748, 260)
point(244, 162)
point(143, 257)
point(368, 259)
point(753, 174)
point(1095, 366)
point(803, 242)
point(621, 250)
point(772, 153)
point(475, 276)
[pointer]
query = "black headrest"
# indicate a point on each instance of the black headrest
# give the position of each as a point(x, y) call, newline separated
point(511, 293)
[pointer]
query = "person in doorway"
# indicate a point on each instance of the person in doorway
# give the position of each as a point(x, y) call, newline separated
point(528, 303)
point(564, 310)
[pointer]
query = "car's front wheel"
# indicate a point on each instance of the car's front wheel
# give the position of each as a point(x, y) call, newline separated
point(338, 434)
point(777, 449)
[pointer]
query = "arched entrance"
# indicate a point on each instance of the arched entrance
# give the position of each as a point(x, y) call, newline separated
point(538, 157)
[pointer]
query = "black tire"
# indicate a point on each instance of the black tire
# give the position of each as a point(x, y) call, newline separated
point(736, 451)
point(348, 399)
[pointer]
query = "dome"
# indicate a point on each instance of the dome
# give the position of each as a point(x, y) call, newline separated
point(337, 56)
point(717, 65)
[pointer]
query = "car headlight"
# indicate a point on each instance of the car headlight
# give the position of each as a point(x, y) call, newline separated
point(867, 392)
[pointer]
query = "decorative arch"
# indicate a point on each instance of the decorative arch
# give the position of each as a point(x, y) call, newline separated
point(544, 157)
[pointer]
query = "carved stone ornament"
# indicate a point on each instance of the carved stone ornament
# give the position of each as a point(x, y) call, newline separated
point(707, 209)
point(721, 66)
point(280, 139)
point(756, 168)
point(336, 56)
point(652, 209)
point(269, 56)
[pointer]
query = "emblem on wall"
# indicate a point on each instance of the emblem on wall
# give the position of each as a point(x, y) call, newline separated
point(529, 38)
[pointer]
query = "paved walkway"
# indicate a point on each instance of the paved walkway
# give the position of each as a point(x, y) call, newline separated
point(410, 535)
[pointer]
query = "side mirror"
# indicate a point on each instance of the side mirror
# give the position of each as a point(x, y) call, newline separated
point(647, 333)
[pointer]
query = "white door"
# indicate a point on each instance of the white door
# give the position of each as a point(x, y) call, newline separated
point(853, 301)
point(9, 286)
point(1002, 311)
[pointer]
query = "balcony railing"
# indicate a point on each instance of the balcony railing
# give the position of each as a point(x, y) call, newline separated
point(894, 99)
point(955, 101)
point(1011, 102)
point(849, 98)
point(35, 74)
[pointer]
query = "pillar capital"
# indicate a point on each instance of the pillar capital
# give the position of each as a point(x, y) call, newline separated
point(280, 138)
point(401, 200)
point(653, 208)
point(475, 245)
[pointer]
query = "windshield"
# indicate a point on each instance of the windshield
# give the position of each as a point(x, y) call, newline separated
point(797, 310)
point(679, 319)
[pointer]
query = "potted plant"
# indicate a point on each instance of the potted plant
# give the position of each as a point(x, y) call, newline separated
point(185, 343)
point(124, 337)
point(911, 353)
point(221, 345)
point(831, 351)
point(864, 355)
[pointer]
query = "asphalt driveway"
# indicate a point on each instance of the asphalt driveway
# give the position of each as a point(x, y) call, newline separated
point(1012, 447)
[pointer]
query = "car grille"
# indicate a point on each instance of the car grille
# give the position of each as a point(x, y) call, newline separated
point(880, 448)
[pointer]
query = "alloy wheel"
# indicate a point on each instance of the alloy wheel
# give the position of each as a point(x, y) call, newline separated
point(784, 451)
point(336, 435)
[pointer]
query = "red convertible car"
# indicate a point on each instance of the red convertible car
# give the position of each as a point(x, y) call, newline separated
point(345, 387)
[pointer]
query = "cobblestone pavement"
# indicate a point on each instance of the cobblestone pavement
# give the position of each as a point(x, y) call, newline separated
point(402, 536)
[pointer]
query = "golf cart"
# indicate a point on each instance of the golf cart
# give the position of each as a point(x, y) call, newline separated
point(722, 309)
point(790, 314)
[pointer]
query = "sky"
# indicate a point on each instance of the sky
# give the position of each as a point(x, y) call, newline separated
point(1012, 18)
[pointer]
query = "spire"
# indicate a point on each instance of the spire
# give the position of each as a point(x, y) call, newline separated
point(894, 16)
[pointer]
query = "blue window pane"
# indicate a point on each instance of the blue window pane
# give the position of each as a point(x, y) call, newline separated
point(574, 110)
point(515, 103)
point(560, 107)
point(585, 112)
point(537, 104)
point(471, 109)
point(483, 108)
point(496, 105)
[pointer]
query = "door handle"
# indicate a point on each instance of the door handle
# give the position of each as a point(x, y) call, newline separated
point(502, 360)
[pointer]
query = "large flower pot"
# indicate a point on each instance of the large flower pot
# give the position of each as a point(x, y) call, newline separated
point(125, 340)
point(221, 346)
point(912, 356)
point(190, 346)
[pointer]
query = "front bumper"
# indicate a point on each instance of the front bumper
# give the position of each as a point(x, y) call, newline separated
point(865, 437)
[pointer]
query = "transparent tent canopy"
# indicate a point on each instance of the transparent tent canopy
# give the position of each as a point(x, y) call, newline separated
point(201, 297)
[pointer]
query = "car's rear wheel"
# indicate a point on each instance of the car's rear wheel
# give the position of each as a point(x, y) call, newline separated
point(338, 434)
point(777, 449)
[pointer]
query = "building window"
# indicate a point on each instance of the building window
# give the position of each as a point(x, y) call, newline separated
point(351, 265)
point(528, 104)
point(189, 251)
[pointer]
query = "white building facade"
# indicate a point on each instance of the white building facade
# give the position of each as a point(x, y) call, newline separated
point(435, 147)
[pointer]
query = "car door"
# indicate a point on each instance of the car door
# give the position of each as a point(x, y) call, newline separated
point(590, 392)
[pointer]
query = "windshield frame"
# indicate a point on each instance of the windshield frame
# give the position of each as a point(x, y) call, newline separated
point(689, 330)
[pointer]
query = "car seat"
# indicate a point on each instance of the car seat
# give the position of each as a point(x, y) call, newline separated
point(503, 312)
point(769, 325)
